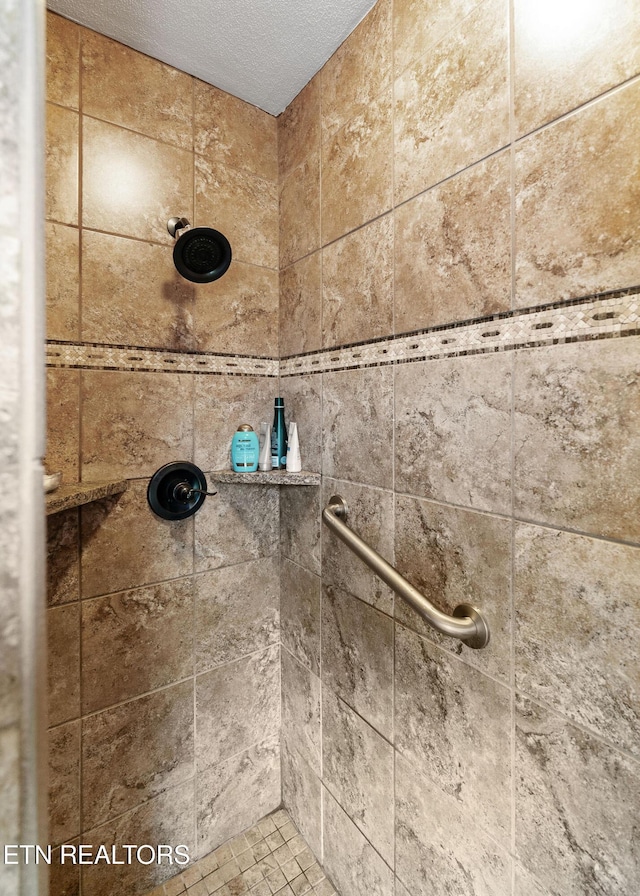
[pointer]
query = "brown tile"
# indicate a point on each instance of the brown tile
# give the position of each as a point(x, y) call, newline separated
point(300, 614)
point(237, 612)
point(417, 26)
point(572, 654)
point(564, 57)
point(452, 108)
point(301, 306)
point(454, 556)
point(136, 751)
point(576, 193)
point(453, 431)
point(63, 423)
point(300, 211)
point(118, 532)
point(64, 782)
point(576, 452)
point(234, 133)
point(239, 312)
point(132, 294)
point(63, 557)
point(299, 128)
point(222, 403)
point(359, 70)
point(240, 205)
point(167, 818)
point(357, 285)
point(133, 423)
point(63, 631)
point(136, 641)
point(357, 170)
point(303, 403)
point(453, 249)
point(62, 165)
point(63, 61)
point(63, 290)
point(132, 184)
point(153, 99)
point(300, 536)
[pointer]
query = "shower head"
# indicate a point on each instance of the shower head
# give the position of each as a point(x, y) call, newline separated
point(201, 254)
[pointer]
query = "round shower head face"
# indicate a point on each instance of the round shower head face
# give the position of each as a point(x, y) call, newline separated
point(202, 255)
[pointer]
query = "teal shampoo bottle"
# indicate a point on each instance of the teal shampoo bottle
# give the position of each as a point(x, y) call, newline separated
point(245, 449)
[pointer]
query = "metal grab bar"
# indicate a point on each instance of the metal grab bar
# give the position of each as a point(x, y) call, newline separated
point(467, 623)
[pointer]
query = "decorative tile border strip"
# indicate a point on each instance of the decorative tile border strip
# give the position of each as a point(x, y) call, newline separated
point(616, 314)
point(598, 317)
point(94, 356)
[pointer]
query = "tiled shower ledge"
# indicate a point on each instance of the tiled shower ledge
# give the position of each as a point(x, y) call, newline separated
point(269, 858)
point(68, 496)
point(274, 477)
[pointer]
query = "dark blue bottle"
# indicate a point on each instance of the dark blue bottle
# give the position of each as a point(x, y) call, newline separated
point(279, 437)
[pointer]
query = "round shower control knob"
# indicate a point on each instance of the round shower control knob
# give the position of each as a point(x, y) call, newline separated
point(177, 490)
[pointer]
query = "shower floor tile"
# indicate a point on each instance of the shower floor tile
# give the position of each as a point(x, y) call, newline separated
point(270, 859)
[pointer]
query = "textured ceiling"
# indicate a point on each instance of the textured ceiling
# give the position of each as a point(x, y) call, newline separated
point(263, 51)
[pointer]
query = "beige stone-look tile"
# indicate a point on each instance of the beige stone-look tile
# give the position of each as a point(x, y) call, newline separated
point(453, 249)
point(572, 653)
point(63, 423)
point(222, 404)
point(63, 557)
point(133, 184)
point(153, 98)
point(576, 453)
point(299, 211)
point(63, 61)
point(132, 294)
point(453, 431)
point(455, 556)
point(136, 751)
point(359, 69)
point(237, 793)
point(370, 514)
point(133, 423)
point(357, 285)
point(300, 614)
point(564, 56)
point(357, 169)
point(63, 289)
point(357, 424)
point(574, 798)
point(299, 128)
point(357, 768)
point(242, 206)
point(301, 306)
point(452, 108)
point(349, 859)
point(438, 845)
point(246, 695)
point(577, 191)
point(239, 312)
point(166, 819)
point(234, 133)
point(303, 403)
point(136, 641)
point(300, 521)
point(240, 523)
point(62, 165)
point(357, 657)
point(301, 794)
point(63, 635)
point(454, 723)
point(64, 879)
point(237, 611)
point(64, 782)
point(124, 544)
point(418, 25)
point(301, 711)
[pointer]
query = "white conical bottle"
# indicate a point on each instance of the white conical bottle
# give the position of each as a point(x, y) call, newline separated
point(294, 462)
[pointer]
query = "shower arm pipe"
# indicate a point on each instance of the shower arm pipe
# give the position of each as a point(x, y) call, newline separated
point(467, 623)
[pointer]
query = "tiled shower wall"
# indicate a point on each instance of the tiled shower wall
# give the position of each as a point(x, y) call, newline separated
point(456, 161)
point(164, 704)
